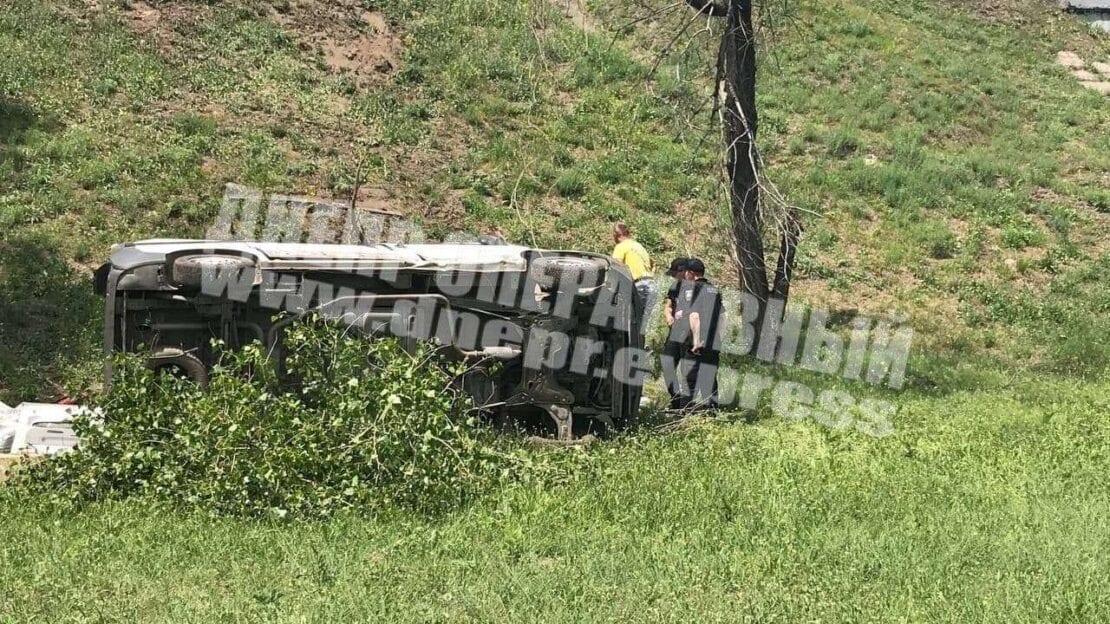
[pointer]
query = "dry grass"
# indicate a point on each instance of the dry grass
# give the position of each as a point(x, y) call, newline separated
point(6, 462)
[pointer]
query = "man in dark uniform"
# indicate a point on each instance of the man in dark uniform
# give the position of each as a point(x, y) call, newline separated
point(675, 345)
point(704, 311)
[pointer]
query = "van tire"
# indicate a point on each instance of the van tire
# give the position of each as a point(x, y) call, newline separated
point(188, 364)
point(191, 270)
point(558, 270)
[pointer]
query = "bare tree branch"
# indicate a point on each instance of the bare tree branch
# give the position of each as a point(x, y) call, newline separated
point(651, 14)
point(666, 50)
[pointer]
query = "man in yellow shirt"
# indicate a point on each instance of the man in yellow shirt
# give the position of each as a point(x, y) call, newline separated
point(631, 253)
point(639, 264)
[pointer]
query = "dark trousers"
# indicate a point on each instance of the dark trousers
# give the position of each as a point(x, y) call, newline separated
point(701, 378)
point(670, 361)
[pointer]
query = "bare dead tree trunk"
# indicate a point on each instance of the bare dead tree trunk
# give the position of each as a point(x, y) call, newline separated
point(736, 89)
point(740, 121)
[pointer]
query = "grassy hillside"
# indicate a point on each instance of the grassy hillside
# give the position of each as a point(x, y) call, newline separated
point(958, 175)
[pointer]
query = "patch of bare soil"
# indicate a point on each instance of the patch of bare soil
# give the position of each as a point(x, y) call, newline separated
point(160, 20)
point(577, 14)
point(450, 211)
point(998, 11)
point(959, 227)
point(351, 40)
point(1046, 195)
point(376, 200)
point(415, 168)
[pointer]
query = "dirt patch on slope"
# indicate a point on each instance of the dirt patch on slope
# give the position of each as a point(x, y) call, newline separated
point(161, 20)
point(576, 13)
point(351, 40)
point(998, 11)
point(348, 39)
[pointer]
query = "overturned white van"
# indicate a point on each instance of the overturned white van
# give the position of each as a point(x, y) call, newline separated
point(552, 337)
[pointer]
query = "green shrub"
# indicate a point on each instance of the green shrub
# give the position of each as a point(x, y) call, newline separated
point(192, 124)
point(938, 240)
point(571, 184)
point(842, 144)
point(1022, 235)
point(353, 424)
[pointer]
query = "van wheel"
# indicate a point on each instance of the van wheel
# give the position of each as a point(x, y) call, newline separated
point(192, 270)
point(177, 362)
point(572, 272)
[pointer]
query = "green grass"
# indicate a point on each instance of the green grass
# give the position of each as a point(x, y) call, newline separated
point(949, 139)
point(987, 505)
point(959, 177)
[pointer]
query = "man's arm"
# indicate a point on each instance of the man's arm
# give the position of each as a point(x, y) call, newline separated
point(668, 312)
point(695, 331)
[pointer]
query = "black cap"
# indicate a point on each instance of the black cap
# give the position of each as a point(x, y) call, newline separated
point(678, 265)
point(695, 265)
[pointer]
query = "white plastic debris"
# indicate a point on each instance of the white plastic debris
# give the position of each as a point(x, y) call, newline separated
point(37, 428)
